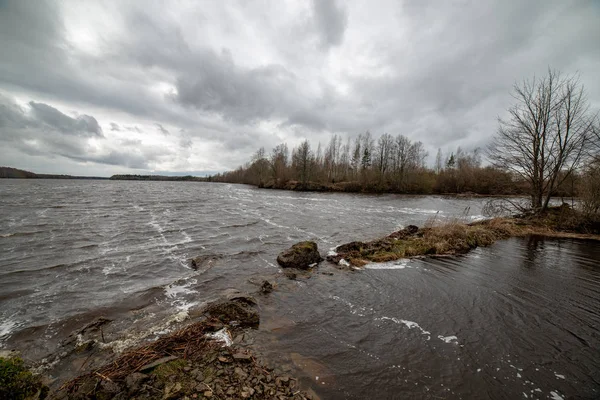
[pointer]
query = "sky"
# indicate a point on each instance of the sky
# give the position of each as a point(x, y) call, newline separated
point(175, 87)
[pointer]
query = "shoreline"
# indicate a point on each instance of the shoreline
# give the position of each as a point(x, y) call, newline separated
point(209, 357)
point(359, 187)
point(456, 237)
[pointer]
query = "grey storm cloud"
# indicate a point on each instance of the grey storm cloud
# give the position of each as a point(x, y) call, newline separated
point(244, 95)
point(82, 125)
point(201, 86)
point(39, 129)
point(331, 19)
point(161, 128)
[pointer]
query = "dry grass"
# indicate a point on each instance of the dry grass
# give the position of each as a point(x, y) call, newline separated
point(455, 236)
point(188, 343)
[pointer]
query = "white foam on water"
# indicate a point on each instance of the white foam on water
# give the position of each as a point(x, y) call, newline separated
point(187, 238)
point(332, 252)
point(174, 290)
point(390, 265)
point(344, 263)
point(221, 336)
point(559, 376)
point(477, 217)
point(449, 339)
point(408, 324)
point(556, 396)
point(162, 328)
point(7, 327)
point(409, 210)
point(354, 309)
point(269, 263)
point(109, 269)
point(268, 221)
point(45, 365)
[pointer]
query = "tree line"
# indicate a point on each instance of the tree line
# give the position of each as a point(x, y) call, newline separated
point(375, 164)
point(548, 145)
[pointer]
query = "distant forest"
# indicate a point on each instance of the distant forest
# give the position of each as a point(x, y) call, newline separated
point(14, 173)
point(186, 178)
point(8, 172)
point(378, 165)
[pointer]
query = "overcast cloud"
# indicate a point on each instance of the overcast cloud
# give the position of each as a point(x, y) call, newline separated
point(97, 88)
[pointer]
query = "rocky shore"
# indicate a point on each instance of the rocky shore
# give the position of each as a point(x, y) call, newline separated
point(204, 360)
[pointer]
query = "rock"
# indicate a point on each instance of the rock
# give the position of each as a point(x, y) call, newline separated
point(156, 363)
point(301, 256)
point(134, 381)
point(242, 357)
point(9, 353)
point(198, 375)
point(240, 372)
point(94, 325)
point(266, 287)
point(172, 391)
point(410, 230)
point(208, 394)
point(349, 247)
point(109, 387)
point(290, 274)
point(203, 262)
point(237, 312)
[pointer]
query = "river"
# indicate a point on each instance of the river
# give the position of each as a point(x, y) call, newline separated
point(519, 319)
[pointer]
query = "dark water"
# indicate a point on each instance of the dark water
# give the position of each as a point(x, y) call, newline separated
point(520, 319)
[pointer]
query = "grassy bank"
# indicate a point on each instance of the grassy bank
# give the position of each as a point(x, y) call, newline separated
point(456, 237)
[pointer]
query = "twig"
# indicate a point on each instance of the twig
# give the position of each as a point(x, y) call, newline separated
point(103, 377)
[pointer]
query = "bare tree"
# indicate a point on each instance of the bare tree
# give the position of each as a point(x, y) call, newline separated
point(385, 146)
point(303, 160)
point(279, 162)
point(259, 167)
point(438, 162)
point(543, 140)
point(357, 155)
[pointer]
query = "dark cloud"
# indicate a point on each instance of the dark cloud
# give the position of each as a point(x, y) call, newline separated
point(225, 78)
point(244, 95)
point(331, 19)
point(41, 130)
point(82, 125)
point(161, 129)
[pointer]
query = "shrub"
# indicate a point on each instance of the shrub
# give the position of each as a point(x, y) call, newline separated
point(17, 382)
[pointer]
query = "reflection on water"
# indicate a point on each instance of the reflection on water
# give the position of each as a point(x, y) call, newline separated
point(519, 319)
